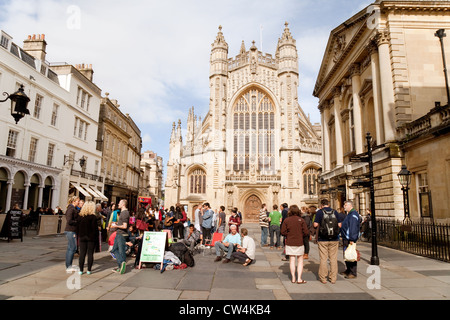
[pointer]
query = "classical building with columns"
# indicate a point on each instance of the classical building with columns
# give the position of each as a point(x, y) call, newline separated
point(382, 74)
point(255, 145)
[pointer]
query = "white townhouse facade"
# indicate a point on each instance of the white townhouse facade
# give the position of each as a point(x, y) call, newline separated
point(33, 168)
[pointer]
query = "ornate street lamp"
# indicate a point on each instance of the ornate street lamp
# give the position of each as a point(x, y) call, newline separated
point(19, 102)
point(404, 176)
point(81, 161)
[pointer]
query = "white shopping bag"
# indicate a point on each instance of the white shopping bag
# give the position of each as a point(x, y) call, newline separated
point(350, 253)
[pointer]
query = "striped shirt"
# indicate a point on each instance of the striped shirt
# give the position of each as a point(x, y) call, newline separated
point(263, 219)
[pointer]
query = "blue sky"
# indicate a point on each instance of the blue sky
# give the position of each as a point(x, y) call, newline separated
point(153, 56)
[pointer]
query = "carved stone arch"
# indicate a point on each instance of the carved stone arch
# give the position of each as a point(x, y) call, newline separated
point(252, 121)
point(249, 202)
point(52, 179)
point(194, 167)
point(311, 164)
point(310, 176)
point(39, 176)
point(8, 171)
point(248, 87)
point(196, 179)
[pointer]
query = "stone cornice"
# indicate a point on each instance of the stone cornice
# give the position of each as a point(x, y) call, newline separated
point(31, 165)
point(418, 6)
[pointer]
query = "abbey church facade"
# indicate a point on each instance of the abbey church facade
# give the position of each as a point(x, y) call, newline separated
point(255, 145)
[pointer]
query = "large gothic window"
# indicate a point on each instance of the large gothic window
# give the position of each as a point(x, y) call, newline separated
point(310, 177)
point(197, 181)
point(254, 137)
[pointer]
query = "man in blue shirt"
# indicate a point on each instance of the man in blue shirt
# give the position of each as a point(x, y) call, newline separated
point(207, 219)
point(350, 234)
point(228, 245)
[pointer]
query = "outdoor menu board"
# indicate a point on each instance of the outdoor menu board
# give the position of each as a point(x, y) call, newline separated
point(15, 224)
point(153, 246)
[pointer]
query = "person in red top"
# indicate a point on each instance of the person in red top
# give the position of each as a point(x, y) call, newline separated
point(234, 220)
point(294, 229)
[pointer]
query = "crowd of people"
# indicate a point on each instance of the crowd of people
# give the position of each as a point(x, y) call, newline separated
point(287, 228)
point(326, 226)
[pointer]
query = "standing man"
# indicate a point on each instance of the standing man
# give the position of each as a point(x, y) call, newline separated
point(222, 218)
point(207, 221)
point(350, 234)
point(329, 221)
point(198, 218)
point(274, 227)
point(119, 249)
point(264, 224)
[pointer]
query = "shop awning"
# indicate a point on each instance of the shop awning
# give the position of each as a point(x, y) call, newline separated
point(101, 194)
point(95, 192)
point(91, 192)
point(81, 189)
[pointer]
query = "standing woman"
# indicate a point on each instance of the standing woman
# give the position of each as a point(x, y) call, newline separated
point(71, 231)
point(294, 229)
point(88, 230)
point(234, 220)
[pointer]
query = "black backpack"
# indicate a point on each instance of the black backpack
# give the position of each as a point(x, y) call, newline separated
point(189, 259)
point(329, 228)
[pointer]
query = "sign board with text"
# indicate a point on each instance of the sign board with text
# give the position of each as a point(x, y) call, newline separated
point(153, 246)
point(14, 218)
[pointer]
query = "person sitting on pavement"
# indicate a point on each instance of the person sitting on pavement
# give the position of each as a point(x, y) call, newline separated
point(245, 253)
point(228, 245)
point(191, 237)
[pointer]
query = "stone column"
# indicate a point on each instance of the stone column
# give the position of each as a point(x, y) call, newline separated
point(387, 86)
point(40, 194)
point(9, 195)
point(337, 126)
point(325, 139)
point(25, 197)
point(355, 75)
point(376, 89)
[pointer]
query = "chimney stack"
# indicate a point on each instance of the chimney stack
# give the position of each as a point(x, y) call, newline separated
point(86, 70)
point(36, 45)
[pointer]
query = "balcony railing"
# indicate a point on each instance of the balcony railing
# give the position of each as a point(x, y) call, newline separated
point(85, 175)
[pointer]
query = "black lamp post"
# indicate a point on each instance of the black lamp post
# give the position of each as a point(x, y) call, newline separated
point(440, 34)
point(404, 176)
point(374, 260)
point(368, 182)
point(19, 102)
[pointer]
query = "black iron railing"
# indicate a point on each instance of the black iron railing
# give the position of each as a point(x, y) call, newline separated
point(428, 239)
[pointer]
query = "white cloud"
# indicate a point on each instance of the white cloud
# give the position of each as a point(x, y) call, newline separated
point(153, 56)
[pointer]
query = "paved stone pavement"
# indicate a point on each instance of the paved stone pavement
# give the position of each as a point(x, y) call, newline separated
point(34, 270)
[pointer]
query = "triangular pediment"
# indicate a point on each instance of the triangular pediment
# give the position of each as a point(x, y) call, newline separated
point(341, 40)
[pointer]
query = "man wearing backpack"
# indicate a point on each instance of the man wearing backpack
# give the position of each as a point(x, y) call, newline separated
point(328, 222)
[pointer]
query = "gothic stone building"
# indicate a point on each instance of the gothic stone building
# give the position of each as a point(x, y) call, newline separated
point(255, 145)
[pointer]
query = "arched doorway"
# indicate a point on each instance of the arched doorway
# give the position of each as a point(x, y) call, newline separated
point(33, 192)
point(47, 193)
point(18, 190)
point(251, 209)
